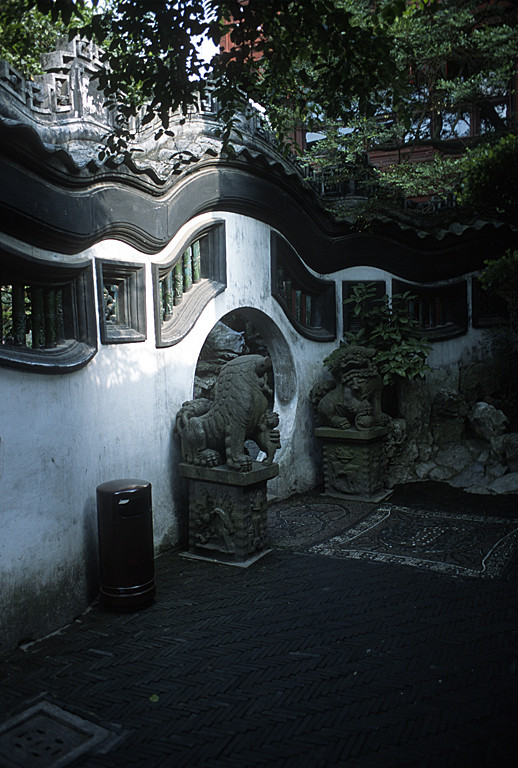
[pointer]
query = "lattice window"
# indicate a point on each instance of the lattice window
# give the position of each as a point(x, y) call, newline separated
point(308, 301)
point(487, 307)
point(122, 302)
point(184, 285)
point(441, 311)
point(178, 280)
point(32, 316)
point(46, 314)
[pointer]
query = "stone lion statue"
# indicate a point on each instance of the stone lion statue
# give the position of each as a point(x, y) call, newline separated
point(214, 431)
point(353, 399)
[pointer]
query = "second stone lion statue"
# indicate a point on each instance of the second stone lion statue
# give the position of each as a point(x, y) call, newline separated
point(213, 432)
point(353, 399)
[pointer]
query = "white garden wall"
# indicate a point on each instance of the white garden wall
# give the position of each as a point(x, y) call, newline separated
point(63, 435)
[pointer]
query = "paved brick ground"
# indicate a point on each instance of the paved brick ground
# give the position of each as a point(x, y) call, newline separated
point(299, 660)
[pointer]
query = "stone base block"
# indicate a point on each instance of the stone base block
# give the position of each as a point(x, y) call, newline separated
point(372, 497)
point(220, 561)
point(228, 511)
point(354, 463)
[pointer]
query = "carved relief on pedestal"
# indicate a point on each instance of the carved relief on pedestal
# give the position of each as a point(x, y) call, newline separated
point(353, 466)
point(228, 511)
point(212, 526)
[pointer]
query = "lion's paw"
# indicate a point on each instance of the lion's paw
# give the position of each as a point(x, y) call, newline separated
point(364, 421)
point(209, 458)
point(339, 422)
point(242, 464)
point(275, 438)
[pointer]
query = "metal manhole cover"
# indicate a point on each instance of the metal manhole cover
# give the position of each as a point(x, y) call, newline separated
point(46, 736)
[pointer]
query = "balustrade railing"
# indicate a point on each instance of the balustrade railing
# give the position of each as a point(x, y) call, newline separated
point(299, 303)
point(32, 316)
point(332, 183)
point(179, 279)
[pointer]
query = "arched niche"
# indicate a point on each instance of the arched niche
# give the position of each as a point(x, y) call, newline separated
point(251, 332)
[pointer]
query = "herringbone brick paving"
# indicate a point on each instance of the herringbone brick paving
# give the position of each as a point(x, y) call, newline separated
point(300, 660)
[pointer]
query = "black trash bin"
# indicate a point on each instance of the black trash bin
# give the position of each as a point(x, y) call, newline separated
point(126, 552)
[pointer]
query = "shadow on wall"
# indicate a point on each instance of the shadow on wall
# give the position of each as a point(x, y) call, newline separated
point(90, 548)
point(179, 491)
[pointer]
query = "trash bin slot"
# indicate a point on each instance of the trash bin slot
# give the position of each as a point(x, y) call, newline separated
point(132, 507)
point(132, 511)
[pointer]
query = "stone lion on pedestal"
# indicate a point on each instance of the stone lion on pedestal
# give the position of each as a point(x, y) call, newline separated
point(213, 432)
point(353, 399)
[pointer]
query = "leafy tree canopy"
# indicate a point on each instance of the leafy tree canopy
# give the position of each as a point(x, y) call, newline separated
point(451, 59)
point(26, 33)
point(364, 73)
point(316, 57)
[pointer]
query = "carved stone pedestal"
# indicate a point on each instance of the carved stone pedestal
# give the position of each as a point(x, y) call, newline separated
point(354, 462)
point(228, 512)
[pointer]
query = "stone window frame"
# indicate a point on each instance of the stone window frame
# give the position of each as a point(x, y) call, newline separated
point(287, 266)
point(452, 298)
point(130, 279)
point(487, 309)
point(65, 323)
point(212, 281)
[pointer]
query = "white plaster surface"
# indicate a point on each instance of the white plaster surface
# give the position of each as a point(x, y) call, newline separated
point(63, 435)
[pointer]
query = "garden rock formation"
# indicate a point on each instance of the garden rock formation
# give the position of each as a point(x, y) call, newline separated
point(447, 435)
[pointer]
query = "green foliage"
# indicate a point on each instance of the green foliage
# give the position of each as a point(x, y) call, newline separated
point(312, 56)
point(490, 173)
point(316, 58)
point(6, 312)
point(446, 56)
point(325, 64)
point(386, 325)
point(501, 276)
point(439, 176)
point(25, 34)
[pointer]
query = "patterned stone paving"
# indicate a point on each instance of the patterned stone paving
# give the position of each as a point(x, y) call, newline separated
point(470, 545)
point(301, 660)
point(308, 519)
point(453, 544)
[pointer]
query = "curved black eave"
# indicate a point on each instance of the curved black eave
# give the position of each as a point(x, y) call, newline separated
point(52, 217)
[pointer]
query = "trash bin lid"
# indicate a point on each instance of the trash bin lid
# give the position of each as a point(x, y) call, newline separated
point(123, 485)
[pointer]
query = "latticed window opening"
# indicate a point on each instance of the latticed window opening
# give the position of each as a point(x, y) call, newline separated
point(488, 308)
point(47, 320)
point(32, 316)
point(428, 312)
point(112, 304)
point(184, 285)
point(122, 304)
point(299, 302)
point(441, 312)
point(307, 301)
point(179, 279)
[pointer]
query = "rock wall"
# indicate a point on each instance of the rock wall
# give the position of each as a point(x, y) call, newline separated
point(458, 425)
